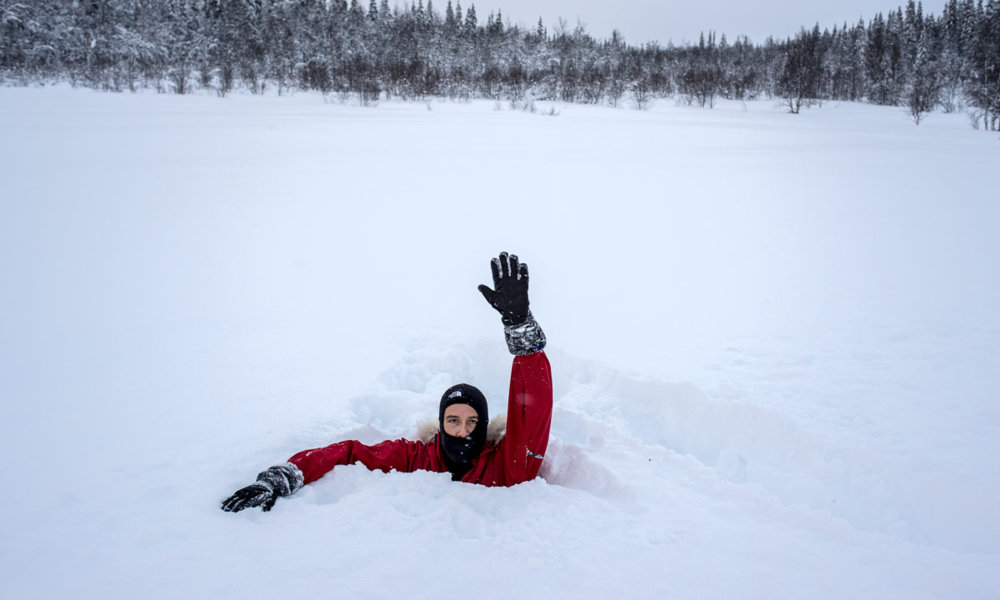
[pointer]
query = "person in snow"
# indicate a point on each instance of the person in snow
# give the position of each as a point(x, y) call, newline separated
point(463, 444)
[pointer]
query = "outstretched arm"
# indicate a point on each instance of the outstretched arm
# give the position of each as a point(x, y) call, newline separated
point(309, 465)
point(395, 455)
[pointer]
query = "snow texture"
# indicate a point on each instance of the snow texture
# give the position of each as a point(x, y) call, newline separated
point(774, 343)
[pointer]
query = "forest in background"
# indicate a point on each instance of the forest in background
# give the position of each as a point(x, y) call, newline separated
point(906, 58)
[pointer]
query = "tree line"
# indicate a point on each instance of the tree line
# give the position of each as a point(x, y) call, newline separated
point(905, 58)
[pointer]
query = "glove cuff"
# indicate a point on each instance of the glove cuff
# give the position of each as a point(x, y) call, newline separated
point(512, 318)
point(524, 338)
point(283, 479)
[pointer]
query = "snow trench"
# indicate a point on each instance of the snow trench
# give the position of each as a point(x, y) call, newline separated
point(609, 426)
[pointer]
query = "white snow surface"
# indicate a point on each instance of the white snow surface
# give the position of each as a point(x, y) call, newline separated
point(774, 341)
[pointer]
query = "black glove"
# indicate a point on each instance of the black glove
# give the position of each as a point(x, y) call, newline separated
point(510, 294)
point(510, 298)
point(277, 481)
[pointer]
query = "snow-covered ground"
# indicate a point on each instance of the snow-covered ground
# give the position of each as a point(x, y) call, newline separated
point(775, 340)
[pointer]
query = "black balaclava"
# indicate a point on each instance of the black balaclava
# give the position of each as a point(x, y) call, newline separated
point(458, 453)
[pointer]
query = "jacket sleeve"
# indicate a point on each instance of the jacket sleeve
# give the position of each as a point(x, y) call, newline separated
point(529, 417)
point(399, 455)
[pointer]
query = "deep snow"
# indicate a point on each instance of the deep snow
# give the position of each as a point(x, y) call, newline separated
point(774, 340)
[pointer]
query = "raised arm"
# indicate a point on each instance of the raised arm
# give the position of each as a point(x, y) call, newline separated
point(529, 417)
point(529, 401)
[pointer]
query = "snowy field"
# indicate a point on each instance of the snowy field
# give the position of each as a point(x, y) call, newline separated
point(775, 340)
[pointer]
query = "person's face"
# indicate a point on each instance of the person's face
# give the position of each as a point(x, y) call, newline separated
point(460, 420)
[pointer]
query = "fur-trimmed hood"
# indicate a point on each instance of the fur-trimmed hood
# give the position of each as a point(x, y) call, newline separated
point(495, 431)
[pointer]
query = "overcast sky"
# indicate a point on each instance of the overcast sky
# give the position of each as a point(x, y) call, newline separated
point(681, 21)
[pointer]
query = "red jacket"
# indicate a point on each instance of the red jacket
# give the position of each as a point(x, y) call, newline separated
point(514, 459)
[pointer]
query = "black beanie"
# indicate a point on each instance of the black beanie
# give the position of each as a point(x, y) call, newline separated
point(464, 393)
point(458, 453)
